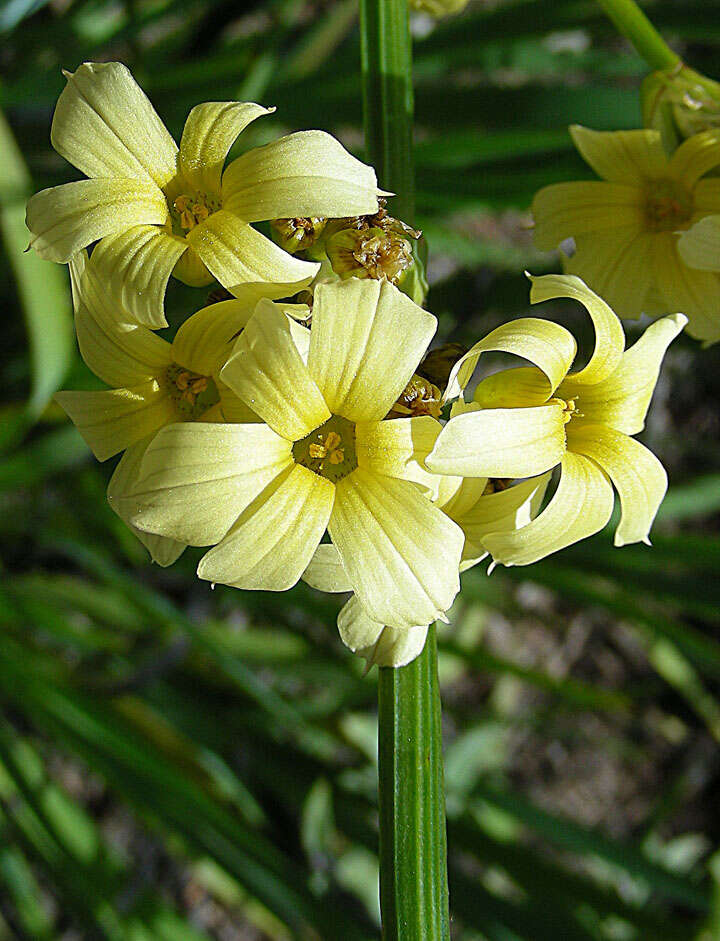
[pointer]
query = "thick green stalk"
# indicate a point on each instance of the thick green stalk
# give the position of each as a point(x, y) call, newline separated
point(413, 843)
point(632, 23)
point(388, 99)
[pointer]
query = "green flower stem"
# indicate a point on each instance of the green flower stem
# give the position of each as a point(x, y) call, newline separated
point(388, 99)
point(413, 843)
point(632, 23)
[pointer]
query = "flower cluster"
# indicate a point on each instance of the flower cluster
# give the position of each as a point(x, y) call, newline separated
point(300, 429)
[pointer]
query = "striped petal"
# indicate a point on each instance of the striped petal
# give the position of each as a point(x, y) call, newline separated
point(609, 334)
point(501, 442)
point(209, 133)
point(205, 341)
point(626, 157)
point(273, 541)
point(135, 266)
point(366, 341)
point(398, 448)
point(120, 354)
point(325, 570)
point(573, 209)
point(380, 646)
point(638, 476)
point(580, 507)
point(621, 401)
point(266, 370)
point(512, 388)
point(240, 258)
point(197, 478)
point(695, 156)
point(67, 218)
point(699, 247)
point(162, 550)
point(400, 552)
point(304, 174)
point(695, 293)
point(113, 419)
point(706, 197)
point(105, 126)
point(548, 345)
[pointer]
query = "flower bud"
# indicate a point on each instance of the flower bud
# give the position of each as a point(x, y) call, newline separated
point(679, 103)
point(369, 253)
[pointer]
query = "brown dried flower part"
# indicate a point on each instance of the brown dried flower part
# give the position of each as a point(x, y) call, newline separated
point(419, 397)
point(438, 363)
point(299, 234)
point(369, 253)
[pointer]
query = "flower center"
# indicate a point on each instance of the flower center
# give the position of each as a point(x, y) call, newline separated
point(192, 393)
point(570, 409)
point(187, 211)
point(329, 451)
point(668, 207)
point(295, 235)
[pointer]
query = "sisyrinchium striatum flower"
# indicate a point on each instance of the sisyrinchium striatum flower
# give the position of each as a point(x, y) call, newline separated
point(626, 227)
point(154, 383)
point(156, 209)
point(323, 457)
point(525, 421)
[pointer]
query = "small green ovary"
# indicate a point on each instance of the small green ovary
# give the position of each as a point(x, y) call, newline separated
point(192, 393)
point(329, 451)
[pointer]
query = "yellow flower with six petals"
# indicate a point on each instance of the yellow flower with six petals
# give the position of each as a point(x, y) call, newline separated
point(626, 227)
point(323, 458)
point(157, 210)
point(154, 382)
point(527, 420)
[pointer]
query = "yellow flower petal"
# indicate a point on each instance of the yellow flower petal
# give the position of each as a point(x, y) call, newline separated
point(699, 247)
point(232, 407)
point(112, 420)
point(209, 133)
point(503, 511)
point(706, 197)
point(512, 388)
point(162, 550)
point(609, 334)
point(366, 340)
point(239, 257)
point(398, 448)
point(638, 476)
point(695, 293)
point(66, 218)
point(621, 401)
point(618, 266)
point(303, 174)
point(548, 345)
point(380, 646)
point(400, 552)
point(204, 342)
point(694, 157)
point(191, 270)
point(106, 127)
point(325, 570)
point(501, 442)
point(580, 507)
point(267, 372)
point(120, 354)
point(628, 157)
point(273, 541)
point(197, 478)
point(135, 266)
point(562, 210)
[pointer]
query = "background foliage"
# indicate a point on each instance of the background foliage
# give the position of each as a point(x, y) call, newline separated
point(177, 763)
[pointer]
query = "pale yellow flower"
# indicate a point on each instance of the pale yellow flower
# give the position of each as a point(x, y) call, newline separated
point(478, 510)
point(626, 227)
point(525, 421)
point(323, 458)
point(154, 382)
point(159, 210)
